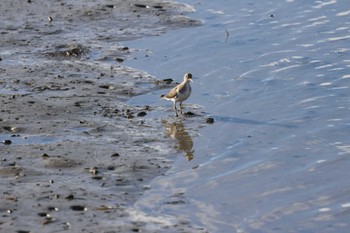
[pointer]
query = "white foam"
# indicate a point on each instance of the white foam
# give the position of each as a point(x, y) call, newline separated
point(322, 4)
point(324, 66)
point(335, 39)
point(286, 68)
point(308, 100)
point(339, 88)
point(336, 69)
point(324, 209)
point(344, 13)
point(318, 23)
point(318, 18)
point(346, 205)
point(335, 119)
point(305, 45)
point(341, 28)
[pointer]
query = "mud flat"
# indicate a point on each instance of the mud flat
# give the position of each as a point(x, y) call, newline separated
point(74, 155)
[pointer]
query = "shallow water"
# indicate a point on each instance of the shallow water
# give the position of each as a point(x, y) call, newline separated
point(275, 77)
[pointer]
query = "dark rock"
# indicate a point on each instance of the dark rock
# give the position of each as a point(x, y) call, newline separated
point(141, 5)
point(168, 80)
point(45, 156)
point(7, 128)
point(141, 114)
point(43, 214)
point(78, 208)
point(210, 120)
point(124, 48)
point(70, 197)
point(120, 60)
point(115, 155)
point(7, 142)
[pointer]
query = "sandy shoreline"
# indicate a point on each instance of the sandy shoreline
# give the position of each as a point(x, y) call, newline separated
point(74, 155)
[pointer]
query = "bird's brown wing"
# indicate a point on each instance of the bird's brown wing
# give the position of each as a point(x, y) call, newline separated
point(174, 92)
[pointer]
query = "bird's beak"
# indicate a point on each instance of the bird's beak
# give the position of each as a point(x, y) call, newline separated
point(191, 80)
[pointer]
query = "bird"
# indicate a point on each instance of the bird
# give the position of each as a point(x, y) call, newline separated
point(180, 93)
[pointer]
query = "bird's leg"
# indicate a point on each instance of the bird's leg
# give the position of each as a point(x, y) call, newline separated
point(181, 108)
point(175, 109)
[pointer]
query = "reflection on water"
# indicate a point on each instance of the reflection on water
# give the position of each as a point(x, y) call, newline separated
point(177, 131)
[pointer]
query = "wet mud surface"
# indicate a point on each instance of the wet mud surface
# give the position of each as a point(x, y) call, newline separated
point(74, 155)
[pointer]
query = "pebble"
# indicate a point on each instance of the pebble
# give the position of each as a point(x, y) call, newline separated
point(168, 80)
point(70, 197)
point(45, 156)
point(7, 142)
point(141, 114)
point(48, 220)
point(120, 60)
point(210, 120)
point(115, 155)
point(78, 208)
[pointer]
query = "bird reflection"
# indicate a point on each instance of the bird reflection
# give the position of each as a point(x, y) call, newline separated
point(184, 141)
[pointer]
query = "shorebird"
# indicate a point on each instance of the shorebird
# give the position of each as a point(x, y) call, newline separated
point(180, 93)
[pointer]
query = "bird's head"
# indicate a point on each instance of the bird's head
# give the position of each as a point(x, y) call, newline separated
point(188, 77)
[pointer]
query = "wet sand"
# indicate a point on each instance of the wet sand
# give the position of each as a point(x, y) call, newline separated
point(74, 155)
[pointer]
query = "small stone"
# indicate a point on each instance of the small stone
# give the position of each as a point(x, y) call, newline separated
point(7, 128)
point(97, 178)
point(105, 86)
point(44, 156)
point(130, 116)
point(12, 164)
point(210, 120)
point(120, 60)
point(141, 5)
point(124, 48)
point(70, 197)
point(115, 155)
point(141, 114)
point(78, 208)
point(158, 7)
point(189, 113)
point(77, 104)
point(168, 80)
point(7, 142)
point(48, 220)
point(52, 208)
point(43, 214)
